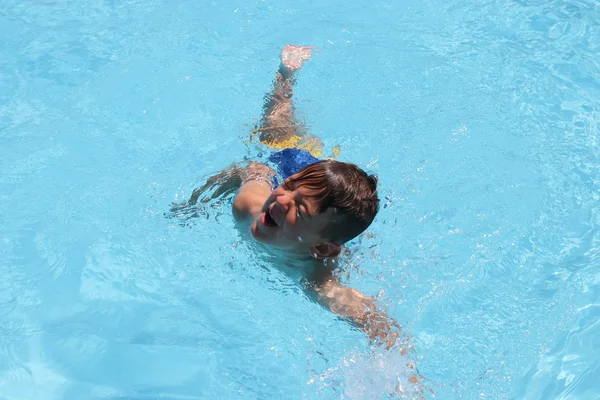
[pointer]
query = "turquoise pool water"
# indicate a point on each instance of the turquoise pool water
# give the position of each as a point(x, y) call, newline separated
point(480, 118)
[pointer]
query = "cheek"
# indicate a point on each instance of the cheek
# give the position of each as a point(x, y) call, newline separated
point(291, 223)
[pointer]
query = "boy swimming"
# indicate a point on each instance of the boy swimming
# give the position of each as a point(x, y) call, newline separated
point(319, 206)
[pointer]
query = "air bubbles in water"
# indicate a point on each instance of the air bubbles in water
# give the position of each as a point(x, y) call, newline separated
point(371, 375)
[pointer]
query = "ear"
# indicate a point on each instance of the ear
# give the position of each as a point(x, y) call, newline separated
point(325, 250)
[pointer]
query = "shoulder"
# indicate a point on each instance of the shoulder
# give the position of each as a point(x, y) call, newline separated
point(250, 198)
point(256, 170)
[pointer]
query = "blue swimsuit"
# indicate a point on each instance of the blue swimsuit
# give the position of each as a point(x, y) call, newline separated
point(290, 161)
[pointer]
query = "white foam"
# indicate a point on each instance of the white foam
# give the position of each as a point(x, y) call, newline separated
point(371, 375)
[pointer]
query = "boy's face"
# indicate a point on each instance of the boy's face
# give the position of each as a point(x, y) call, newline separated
point(289, 220)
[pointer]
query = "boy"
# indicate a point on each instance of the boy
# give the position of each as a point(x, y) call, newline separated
point(319, 206)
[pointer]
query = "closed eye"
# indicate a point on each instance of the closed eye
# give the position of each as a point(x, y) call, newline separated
point(302, 212)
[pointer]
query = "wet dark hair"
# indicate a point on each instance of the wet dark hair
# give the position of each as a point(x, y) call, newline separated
point(344, 187)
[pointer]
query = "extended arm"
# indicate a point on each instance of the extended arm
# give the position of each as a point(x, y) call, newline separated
point(358, 308)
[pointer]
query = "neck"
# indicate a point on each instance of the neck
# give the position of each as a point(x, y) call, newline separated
point(302, 258)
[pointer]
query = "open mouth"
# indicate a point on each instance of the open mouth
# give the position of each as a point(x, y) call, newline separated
point(269, 221)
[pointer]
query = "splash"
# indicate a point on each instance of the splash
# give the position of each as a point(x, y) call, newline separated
point(375, 374)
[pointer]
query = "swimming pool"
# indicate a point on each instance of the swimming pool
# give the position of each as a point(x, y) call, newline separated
point(480, 118)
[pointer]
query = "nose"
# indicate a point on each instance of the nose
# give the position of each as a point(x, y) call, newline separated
point(283, 201)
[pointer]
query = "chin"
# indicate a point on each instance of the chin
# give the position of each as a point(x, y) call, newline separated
point(257, 234)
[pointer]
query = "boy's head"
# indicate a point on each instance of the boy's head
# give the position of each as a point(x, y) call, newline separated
point(344, 189)
point(320, 208)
